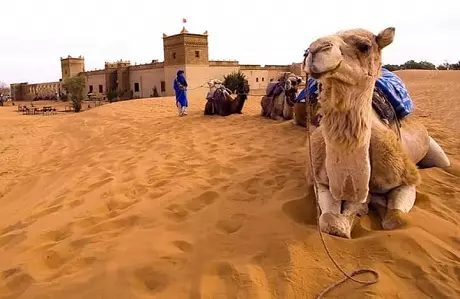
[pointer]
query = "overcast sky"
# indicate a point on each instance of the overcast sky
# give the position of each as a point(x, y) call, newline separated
point(34, 34)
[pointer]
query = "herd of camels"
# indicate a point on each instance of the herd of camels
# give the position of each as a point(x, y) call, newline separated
point(356, 157)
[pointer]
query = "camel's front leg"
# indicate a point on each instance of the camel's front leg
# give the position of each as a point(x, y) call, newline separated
point(288, 111)
point(393, 209)
point(331, 220)
point(400, 202)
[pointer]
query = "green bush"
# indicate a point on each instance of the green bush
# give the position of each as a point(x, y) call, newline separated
point(237, 83)
point(75, 86)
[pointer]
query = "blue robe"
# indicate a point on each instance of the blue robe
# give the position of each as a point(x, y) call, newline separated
point(181, 93)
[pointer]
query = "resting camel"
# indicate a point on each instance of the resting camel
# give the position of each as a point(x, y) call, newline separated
point(278, 103)
point(357, 158)
point(221, 102)
point(300, 108)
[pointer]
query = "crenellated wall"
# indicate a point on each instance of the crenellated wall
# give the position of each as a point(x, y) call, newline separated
point(186, 51)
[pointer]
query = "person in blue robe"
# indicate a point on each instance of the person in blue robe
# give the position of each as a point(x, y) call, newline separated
point(180, 89)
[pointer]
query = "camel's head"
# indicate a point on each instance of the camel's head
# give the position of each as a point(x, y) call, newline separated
point(350, 56)
point(214, 84)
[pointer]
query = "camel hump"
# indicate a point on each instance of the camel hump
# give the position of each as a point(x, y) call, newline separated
point(435, 157)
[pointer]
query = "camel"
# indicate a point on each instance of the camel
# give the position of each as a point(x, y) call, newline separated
point(357, 158)
point(278, 103)
point(300, 108)
point(220, 101)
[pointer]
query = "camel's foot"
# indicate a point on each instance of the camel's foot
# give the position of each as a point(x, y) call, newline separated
point(277, 117)
point(394, 219)
point(352, 208)
point(335, 224)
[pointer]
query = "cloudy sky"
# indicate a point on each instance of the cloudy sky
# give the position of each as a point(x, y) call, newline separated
point(34, 34)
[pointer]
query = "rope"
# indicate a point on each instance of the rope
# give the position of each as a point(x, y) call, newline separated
point(318, 214)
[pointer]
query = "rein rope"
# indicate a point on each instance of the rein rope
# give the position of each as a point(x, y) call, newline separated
point(318, 214)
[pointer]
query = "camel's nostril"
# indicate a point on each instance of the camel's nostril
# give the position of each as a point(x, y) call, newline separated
point(326, 47)
point(315, 69)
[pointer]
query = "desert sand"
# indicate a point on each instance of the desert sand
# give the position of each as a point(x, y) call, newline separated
point(128, 200)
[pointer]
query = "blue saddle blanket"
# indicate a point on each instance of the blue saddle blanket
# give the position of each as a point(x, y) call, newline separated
point(389, 83)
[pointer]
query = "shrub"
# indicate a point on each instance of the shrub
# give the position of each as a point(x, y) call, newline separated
point(237, 83)
point(75, 86)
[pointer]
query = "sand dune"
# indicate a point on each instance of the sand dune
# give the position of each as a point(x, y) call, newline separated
point(128, 200)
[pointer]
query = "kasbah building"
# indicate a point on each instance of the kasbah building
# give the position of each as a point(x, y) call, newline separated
point(186, 51)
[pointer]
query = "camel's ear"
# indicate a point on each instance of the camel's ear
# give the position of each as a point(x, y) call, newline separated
point(385, 37)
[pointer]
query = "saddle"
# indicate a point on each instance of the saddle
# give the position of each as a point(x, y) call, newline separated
point(275, 88)
point(218, 99)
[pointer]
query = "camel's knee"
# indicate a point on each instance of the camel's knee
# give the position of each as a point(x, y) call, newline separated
point(356, 208)
point(326, 201)
point(435, 157)
point(287, 112)
point(336, 224)
point(399, 202)
point(402, 198)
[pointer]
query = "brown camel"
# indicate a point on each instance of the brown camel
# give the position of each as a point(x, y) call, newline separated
point(220, 101)
point(279, 101)
point(300, 112)
point(357, 158)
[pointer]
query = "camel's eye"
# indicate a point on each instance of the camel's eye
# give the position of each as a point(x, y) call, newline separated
point(363, 47)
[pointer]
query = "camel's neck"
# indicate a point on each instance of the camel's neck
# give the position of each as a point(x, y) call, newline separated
point(346, 127)
point(346, 115)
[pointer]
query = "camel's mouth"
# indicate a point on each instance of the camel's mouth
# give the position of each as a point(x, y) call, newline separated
point(319, 75)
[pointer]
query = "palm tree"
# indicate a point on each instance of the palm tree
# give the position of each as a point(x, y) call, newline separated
point(237, 83)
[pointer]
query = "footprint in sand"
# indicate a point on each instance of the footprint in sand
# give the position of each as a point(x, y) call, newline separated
point(116, 224)
point(227, 280)
point(136, 191)
point(17, 226)
point(183, 246)
point(75, 203)
point(161, 183)
point(216, 170)
point(205, 199)
point(93, 187)
point(44, 213)
point(422, 200)
point(120, 205)
point(233, 224)
point(252, 186)
point(12, 239)
point(152, 280)
point(53, 259)
point(176, 212)
point(59, 234)
point(157, 194)
point(57, 201)
point(16, 281)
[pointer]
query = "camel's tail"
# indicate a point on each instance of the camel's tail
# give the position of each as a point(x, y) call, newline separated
point(435, 157)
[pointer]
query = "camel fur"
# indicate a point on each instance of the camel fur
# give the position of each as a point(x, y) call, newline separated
point(279, 106)
point(357, 158)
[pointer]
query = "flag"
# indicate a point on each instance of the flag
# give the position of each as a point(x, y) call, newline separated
point(184, 21)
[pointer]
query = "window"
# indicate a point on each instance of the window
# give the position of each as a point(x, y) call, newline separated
point(65, 72)
point(257, 79)
point(91, 88)
point(197, 54)
point(163, 86)
point(262, 79)
point(173, 55)
point(271, 79)
point(101, 89)
point(136, 87)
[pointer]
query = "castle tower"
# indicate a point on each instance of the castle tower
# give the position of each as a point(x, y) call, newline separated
point(186, 51)
point(72, 66)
